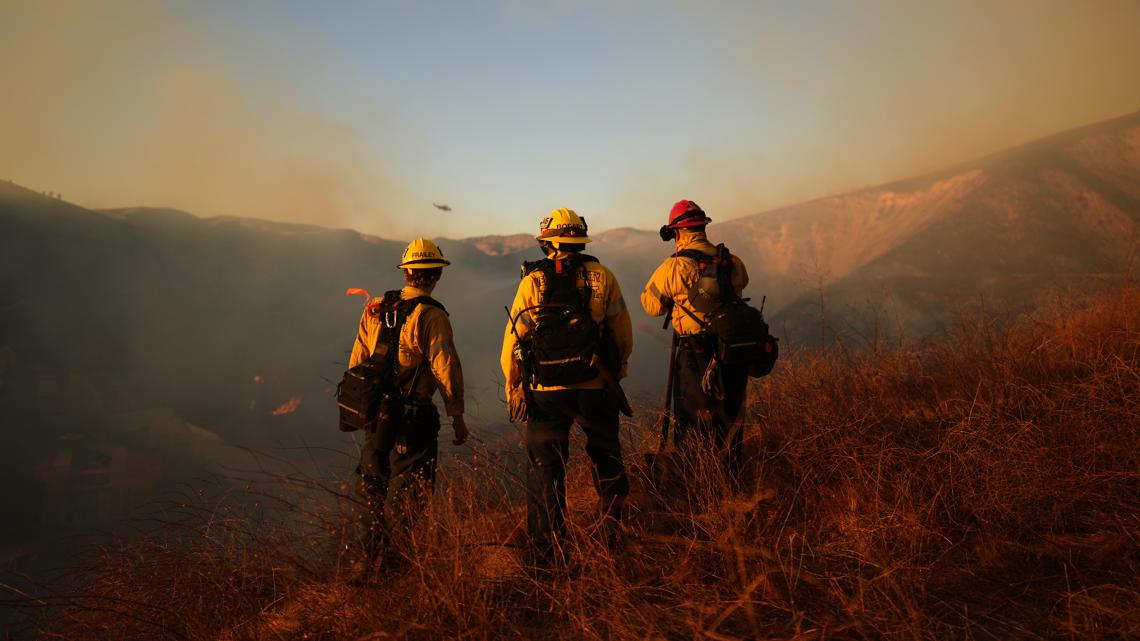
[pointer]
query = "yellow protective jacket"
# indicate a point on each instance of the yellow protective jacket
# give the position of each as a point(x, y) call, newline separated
point(607, 307)
point(672, 280)
point(426, 334)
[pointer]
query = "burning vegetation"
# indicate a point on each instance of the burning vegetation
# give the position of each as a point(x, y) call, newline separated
point(288, 407)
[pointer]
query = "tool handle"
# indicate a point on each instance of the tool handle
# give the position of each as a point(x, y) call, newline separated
point(667, 414)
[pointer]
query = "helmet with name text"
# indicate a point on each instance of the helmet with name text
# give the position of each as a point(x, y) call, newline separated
point(563, 226)
point(422, 253)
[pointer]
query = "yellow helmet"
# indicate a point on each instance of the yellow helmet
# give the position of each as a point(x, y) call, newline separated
point(421, 253)
point(563, 226)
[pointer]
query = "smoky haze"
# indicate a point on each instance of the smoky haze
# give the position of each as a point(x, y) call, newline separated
point(146, 103)
point(135, 103)
point(864, 93)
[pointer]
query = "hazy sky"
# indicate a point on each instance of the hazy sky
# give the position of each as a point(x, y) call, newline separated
point(361, 114)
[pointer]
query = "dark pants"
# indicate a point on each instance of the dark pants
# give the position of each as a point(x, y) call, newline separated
point(548, 448)
point(702, 419)
point(397, 475)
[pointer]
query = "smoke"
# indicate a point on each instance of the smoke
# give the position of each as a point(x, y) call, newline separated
point(134, 103)
point(848, 95)
point(141, 103)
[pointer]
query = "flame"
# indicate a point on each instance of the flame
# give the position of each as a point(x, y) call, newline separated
point(356, 291)
point(288, 407)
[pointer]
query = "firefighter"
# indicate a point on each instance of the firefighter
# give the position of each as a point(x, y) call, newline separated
point(706, 402)
point(398, 458)
point(565, 348)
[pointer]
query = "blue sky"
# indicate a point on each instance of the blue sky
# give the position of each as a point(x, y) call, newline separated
point(507, 112)
point(361, 114)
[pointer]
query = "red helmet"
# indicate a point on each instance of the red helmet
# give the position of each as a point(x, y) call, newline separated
point(687, 213)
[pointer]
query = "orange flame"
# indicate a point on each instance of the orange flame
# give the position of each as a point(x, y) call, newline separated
point(356, 291)
point(288, 407)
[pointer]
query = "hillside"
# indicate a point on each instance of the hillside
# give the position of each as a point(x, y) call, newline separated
point(1004, 229)
point(131, 343)
point(981, 486)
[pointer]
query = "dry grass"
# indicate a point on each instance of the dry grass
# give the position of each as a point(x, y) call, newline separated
point(983, 487)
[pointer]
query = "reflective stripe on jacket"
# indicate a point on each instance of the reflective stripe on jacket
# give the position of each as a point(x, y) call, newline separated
point(427, 334)
point(672, 280)
point(607, 307)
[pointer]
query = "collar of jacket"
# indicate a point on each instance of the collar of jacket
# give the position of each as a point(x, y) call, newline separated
point(559, 255)
point(696, 240)
point(409, 292)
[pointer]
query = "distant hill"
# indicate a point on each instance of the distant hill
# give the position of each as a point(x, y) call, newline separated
point(501, 245)
point(1004, 229)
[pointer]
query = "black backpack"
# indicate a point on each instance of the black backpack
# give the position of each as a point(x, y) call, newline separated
point(564, 339)
point(741, 334)
point(370, 396)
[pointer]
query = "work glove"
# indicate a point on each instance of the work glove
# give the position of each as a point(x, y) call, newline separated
point(516, 404)
point(459, 426)
point(711, 383)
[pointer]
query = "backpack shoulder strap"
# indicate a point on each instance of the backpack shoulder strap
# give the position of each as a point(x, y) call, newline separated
point(724, 257)
point(529, 266)
point(394, 313)
point(724, 268)
point(702, 259)
point(694, 254)
point(412, 303)
point(408, 307)
point(544, 264)
point(391, 317)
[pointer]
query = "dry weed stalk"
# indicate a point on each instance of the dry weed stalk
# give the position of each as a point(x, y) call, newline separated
point(984, 486)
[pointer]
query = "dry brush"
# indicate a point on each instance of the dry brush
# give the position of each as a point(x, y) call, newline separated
point(982, 486)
